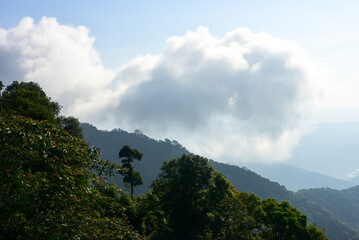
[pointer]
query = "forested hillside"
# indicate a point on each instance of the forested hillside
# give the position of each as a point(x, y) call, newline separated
point(54, 185)
point(155, 152)
point(246, 180)
point(343, 203)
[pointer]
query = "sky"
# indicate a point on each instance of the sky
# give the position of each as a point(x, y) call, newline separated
point(229, 80)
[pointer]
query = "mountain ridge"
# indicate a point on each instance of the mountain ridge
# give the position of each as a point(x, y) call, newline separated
point(296, 178)
point(157, 151)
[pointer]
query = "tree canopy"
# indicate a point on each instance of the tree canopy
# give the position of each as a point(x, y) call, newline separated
point(191, 200)
point(48, 189)
point(188, 189)
point(29, 100)
point(71, 125)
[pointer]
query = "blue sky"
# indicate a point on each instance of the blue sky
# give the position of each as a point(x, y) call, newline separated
point(125, 29)
point(172, 58)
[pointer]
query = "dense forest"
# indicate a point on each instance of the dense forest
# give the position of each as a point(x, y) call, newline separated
point(54, 185)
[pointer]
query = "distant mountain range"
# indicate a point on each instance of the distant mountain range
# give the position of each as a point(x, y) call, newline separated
point(295, 178)
point(331, 149)
point(323, 210)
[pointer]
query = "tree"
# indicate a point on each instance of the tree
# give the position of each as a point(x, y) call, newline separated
point(284, 222)
point(130, 176)
point(71, 125)
point(29, 100)
point(1, 87)
point(235, 217)
point(189, 190)
point(48, 189)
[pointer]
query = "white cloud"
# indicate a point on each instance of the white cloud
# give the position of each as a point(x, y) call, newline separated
point(241, 97)
point(60, 58)
point(353, 174)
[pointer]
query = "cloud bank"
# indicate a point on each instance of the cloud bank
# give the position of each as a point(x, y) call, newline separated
point(60, 58)
point(240, 97)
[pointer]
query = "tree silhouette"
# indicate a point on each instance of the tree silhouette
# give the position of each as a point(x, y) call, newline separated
point(130, 176)
point(1, 87)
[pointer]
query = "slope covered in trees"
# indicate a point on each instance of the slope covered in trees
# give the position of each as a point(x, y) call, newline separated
point(53, 187)
point(156, 152)
point(246, 180)
point(343, 203)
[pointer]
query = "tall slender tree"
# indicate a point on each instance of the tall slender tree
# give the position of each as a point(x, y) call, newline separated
point(1, 87)
point(130, 176)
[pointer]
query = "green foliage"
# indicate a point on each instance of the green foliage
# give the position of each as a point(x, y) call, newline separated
point(71, 125)
point(189, 192)
point(233, 219)
point(283, 221)
point(48, 189)
point(130, 176)
point(191, 200)
point(29, 100)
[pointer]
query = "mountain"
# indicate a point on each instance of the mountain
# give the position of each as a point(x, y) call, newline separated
point(247, 181)
point(295, 178)
point(344, 204)
point(156, 152)
point(331, 149)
